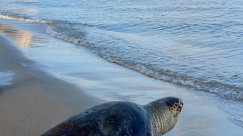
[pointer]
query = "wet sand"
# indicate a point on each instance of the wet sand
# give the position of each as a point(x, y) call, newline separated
point(26, 109)
point(201, 115)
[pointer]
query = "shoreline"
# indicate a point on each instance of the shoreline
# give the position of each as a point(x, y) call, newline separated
point(201, 114)
point(26, 106)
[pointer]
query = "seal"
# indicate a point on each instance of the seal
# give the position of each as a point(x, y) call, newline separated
point(122, 118)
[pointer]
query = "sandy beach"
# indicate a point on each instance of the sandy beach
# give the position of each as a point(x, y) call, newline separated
point(26, 108)
point(36, 99)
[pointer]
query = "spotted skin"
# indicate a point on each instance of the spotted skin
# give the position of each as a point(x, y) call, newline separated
point(175, 105)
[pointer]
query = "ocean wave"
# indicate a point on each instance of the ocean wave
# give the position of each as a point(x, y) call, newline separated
point(223, 90)
point(72, 35)
point(20, 17)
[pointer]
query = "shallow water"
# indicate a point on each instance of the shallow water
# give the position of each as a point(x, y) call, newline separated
point(196, 44)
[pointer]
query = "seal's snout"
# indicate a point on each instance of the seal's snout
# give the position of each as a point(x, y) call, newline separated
point(180, 105)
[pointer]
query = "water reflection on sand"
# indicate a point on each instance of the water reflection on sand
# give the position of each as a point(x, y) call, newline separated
point(20, 38)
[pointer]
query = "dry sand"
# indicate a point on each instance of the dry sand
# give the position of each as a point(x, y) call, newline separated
point(26, 107)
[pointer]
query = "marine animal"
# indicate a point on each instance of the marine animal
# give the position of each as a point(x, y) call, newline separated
point(121, 118)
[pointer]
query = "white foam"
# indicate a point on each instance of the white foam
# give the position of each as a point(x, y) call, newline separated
point(23, 19)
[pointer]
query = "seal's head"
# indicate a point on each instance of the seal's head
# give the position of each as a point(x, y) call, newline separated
point(174, 104)
point(164, 113)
